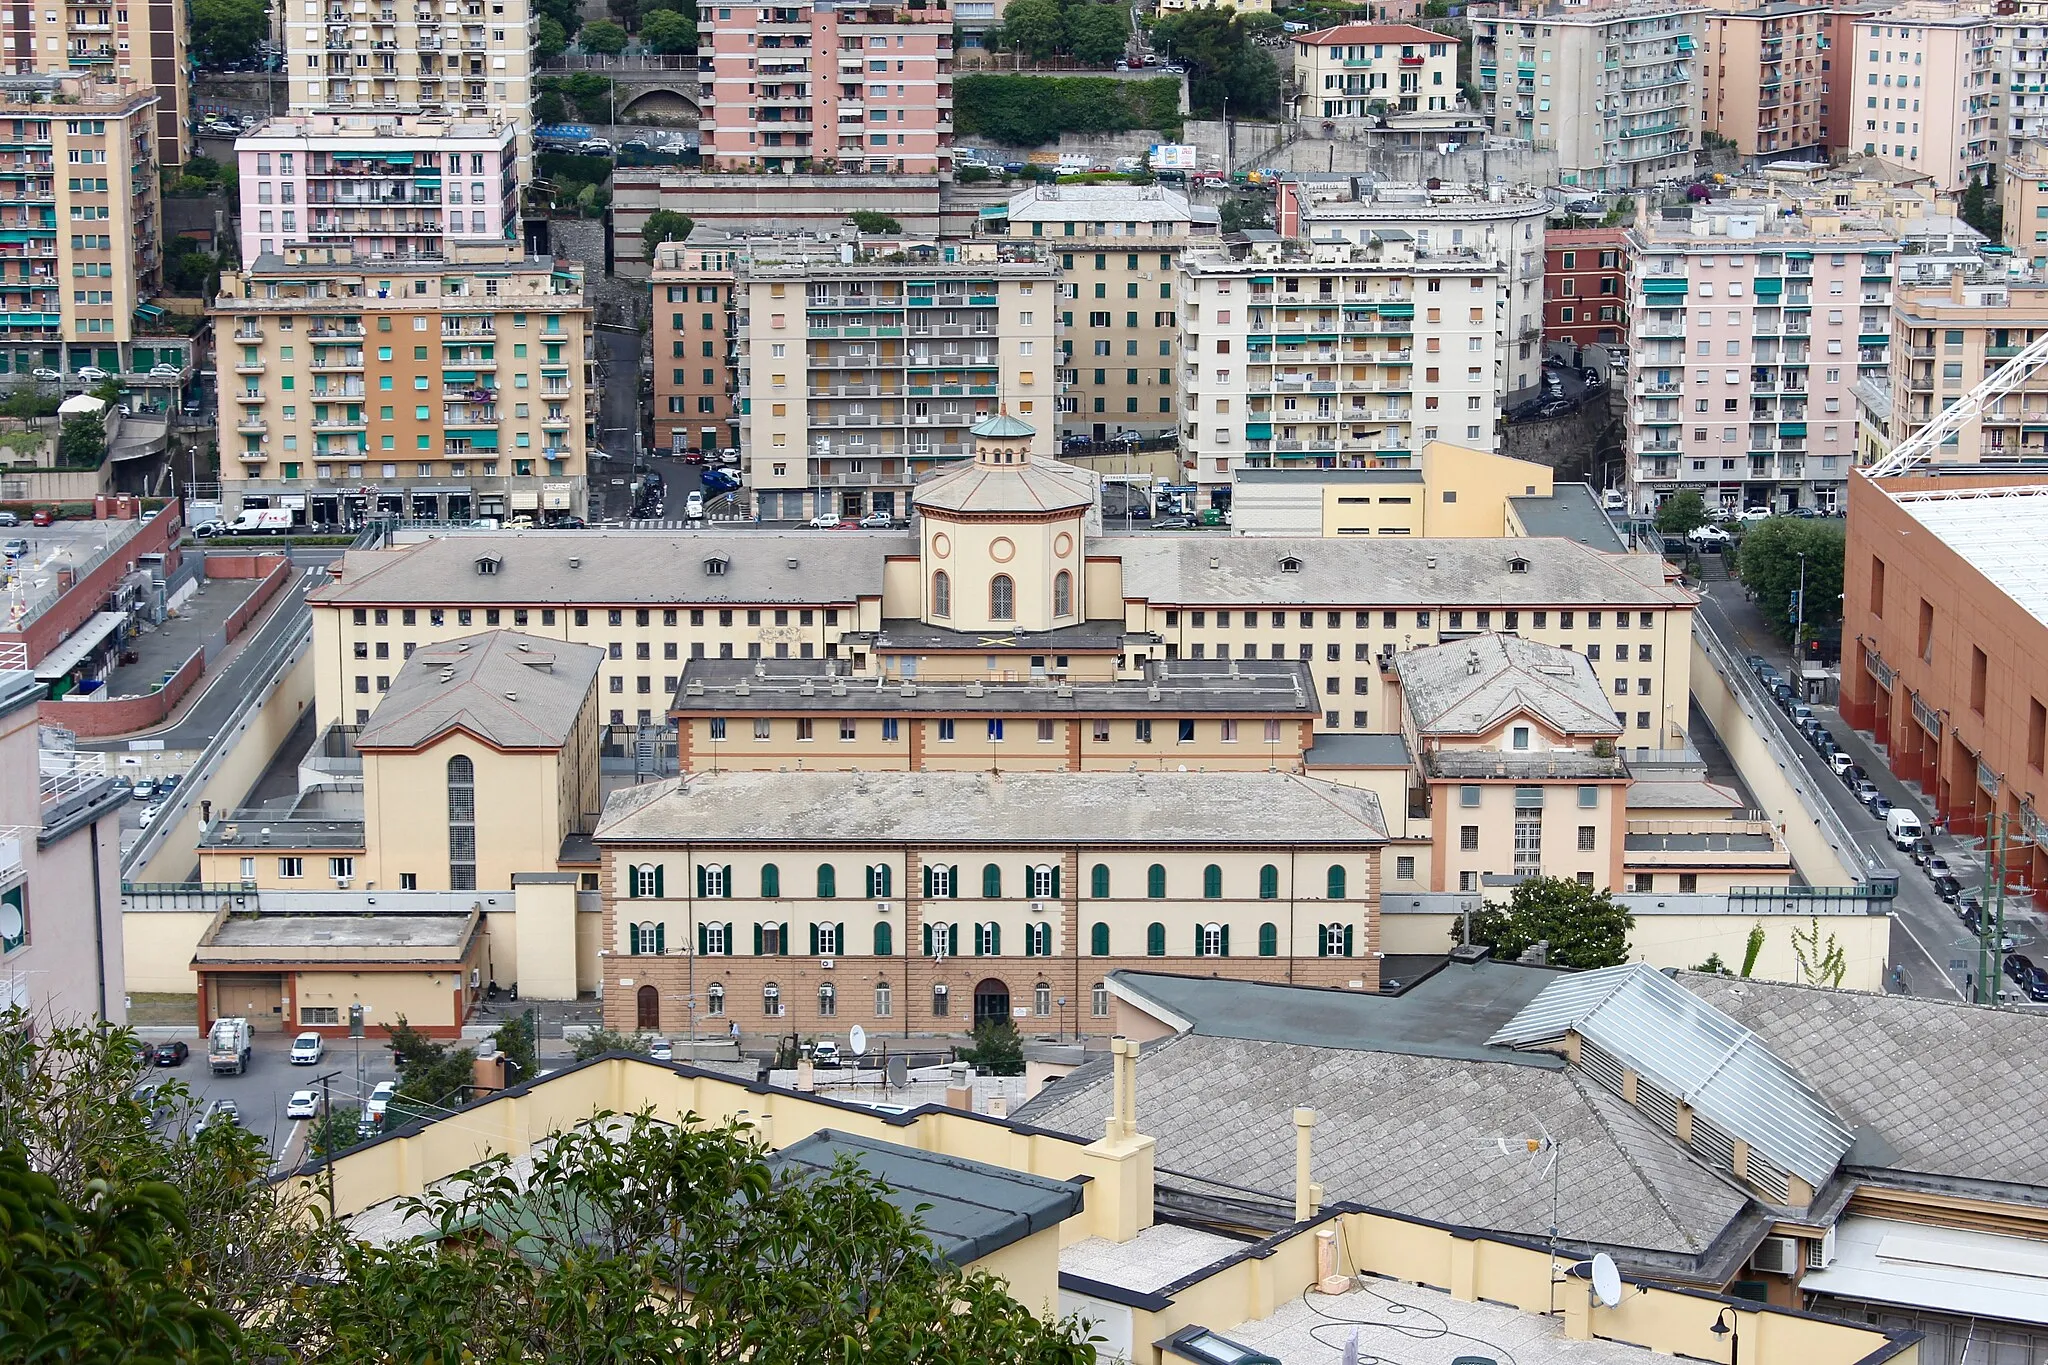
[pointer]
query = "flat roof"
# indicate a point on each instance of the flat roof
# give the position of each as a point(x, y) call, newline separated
point(1119, 202)
point(1572, 512)
point(1251, 809)
point(1997, 531)
point(741, 686)
point(907, 634)
point(1358, 751)
point(1157, 1257)
point(300, 930)
point(1314, 477)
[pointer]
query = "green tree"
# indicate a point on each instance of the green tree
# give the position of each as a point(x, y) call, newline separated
point(91, 1281)
point(1223, 65)
point(335, 1131)
point(1098, 34)
point(82, 441)
point(597, 1042)
point(550, 39)
point(871, 221)
point(225, 31)
point(515, 1038)
point(1241, 212)
point(1622, 214)
point(1034, 26)
point(664, 30)
point(1981, 207)
point(664, 225)
point(997, 1049)
point(603, 37)
point(1682, 513)
point(1769, 560)
point(801, 1268)
point(1585, 928)
point(549, 106)
point(432, 1077)
point(567, 13)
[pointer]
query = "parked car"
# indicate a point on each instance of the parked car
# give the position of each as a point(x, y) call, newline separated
point(693, 505)
point(1937, 866)
point(306, 1049)
point(877, 521)
point(827, 521)
point(661, 1050)
point(15, 547)
point(825, 1053)
point(148, 816)
point(1948, 888)
point(92, 374)
point(1173, 524)
point(595, 146)
point(1841, 763)
point(1709, 535)
point(46, 374)
point(379, 1102)
point(2018, 966)
point(221, 1111)
point(10, 519)
point(145, 788)
point(1880, 805)
point(172, 1053)
point(1852, 776)
point(304, 1104)
point(1754, 514)
point(638, 146)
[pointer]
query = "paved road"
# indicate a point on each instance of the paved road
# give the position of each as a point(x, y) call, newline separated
point(1927, 939)
point(262, 1090)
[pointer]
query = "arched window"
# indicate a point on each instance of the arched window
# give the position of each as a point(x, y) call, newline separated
point(942, 594)
point(1212, 940)
point(1269, 882)
point(1098, 939)
point(878, 879)
point(1002, 598)
point(1098, 881)
point(714, 998)
point(1062, 593)
point(649, 938)
point(1098, 1000)
point(1041, 999)
point(771, 881)
point(1336, 883)
point(461, 823)
point(1333, 940)
point(1155, 939)
point(1045, 882)
point(1155, 881)
point(1212, 882)
point(828, 1001)
point(1038, 940)
point(988, 940)
point(828, 881)
point(645, 880)
point(1269, 940)
point(991, 882)
point(771, 999)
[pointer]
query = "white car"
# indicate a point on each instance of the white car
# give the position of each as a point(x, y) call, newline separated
point(1709, 535)
point(45, 373)
point(825, 521)
point(148, 817)
point(693, 506)
point(380, 1100)
point(595, 146)
point(306, 1049)
point(92, 374)
point(304, 1104)
point(661, 1050)
point(164, 372)
point(1755, 514)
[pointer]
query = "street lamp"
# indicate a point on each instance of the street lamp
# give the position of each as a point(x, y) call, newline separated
point(1729, 1326)
point(1799, 621)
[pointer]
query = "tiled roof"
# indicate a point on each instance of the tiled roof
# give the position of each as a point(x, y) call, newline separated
point(510, 690)
point(1034, 485)
point(1372, 33)
point(1471, 686)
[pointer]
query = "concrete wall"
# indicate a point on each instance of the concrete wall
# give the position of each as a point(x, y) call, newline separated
point(1352, 150)
point(1780, 788)
point(1576, 445)
point(157, 535)
point(159, 945)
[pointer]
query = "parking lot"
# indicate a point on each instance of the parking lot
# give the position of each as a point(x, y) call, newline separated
point(261, 1091)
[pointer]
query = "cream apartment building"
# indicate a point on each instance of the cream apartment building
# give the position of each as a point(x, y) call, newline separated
point(859, 377)
point(2023, 199)
point(440, 390)
point(1750, 330)
point(138, 46)
point(1948, 337)
point(1373, 70)
point(1334, 355)
point(1607, 87)
point(1774, 79)
point(1118, 249)
point(466, 58)
point(1924, 84)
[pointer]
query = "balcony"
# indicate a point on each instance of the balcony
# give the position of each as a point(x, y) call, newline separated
point(252, 426)
point(339, 423)
point(347, 362)
point(250, 396)
point(249, 367)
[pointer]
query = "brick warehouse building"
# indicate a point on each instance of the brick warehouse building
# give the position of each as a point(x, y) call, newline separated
point(1585, 285)
point(1945, 630)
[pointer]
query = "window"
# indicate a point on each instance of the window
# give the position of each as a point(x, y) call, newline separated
point(938, 882)
point(1335, 883)
point(714, 940)
point(1155, 939)
point(714, 881)
point(1038, 939)
point(1333, 940)
point(885, 940)
point(461, 823)
point(771, 881)
point(340, 868)
point(1155, 881)
point(319, 1014)
point(1212, 940)
point(291, 869)
point(991, 882)
point(1002, 598)
point(1098, 939)
point(828, 881)
point(942, 594)
point(1098, 881)
point(1098, 1000)
point(1587, 837)
point(649, 938)
point(884, 1004)
point(828, 1000)
point(940, 1001)
point(1212, 882)
point(1044, 883)
point(988, 940)
point(1980, 673)
point(771, 1000)
point(714, 999)
point(1404, 868)
point(1062, 593)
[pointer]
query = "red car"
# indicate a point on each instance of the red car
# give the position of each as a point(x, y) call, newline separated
point(43, 516)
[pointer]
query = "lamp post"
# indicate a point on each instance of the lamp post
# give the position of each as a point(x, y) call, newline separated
point(1730, 1326)
point(1799, 619)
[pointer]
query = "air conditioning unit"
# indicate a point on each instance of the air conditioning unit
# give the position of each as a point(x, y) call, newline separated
point(343, 882)
point(1038, 907)
point(1820, 1254)
point(826, 963)
point(1776, 1256)
point(881, 907)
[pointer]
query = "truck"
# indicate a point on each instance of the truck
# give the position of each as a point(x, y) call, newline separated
point(227, 1047)
point(259, 521)
point(1902, 827)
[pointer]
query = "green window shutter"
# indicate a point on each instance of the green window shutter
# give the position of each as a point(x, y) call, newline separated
point(871, 881)
point(1269, 882)
point(1347, 940)
point(1212, 882)
point(1155, 881)
point(953, 876)
point(828, 881)
point(703, 939)
point(757, 940)
point(703, 879)
point(1155, 939)
point(632, 940)
point(883, 946)
point(660, 939)
point(927, 939)
point(1098, 940)
point(995, 939)
point(771, 881)
point(1336, 883)
point(1031, 940)
point(1322, 940)
point(953, 940)
point(1198, 941)
point(632, 882)
point(1226, 940)
point(659, 890)
point(785, 938)
point(814, 940)
point(977, 939)
point(1099, 882)
point(991, 882)
point(927, 884)
point(1055, 881)
point(728, 940)
point(883, 877)
point(724, 883)
point(1269, 940)
point(839, 937)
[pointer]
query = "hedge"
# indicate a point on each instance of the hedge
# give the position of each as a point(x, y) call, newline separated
point(1028, 111)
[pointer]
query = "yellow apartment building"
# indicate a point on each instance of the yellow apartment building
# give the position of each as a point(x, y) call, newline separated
point(431, 390)
point(2023, 196)
point(1931, 65)
point(1374, 70)
point(1947, 337)
point(1446, 491)
point(134, 46)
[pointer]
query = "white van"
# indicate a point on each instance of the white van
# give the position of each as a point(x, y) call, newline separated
point(1902, 827)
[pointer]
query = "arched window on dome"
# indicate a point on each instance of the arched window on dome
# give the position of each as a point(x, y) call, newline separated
point(1063, 593)
point(1002, 598)
point(942, 594)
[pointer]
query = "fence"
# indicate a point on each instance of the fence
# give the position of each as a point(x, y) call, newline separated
point(624, 61)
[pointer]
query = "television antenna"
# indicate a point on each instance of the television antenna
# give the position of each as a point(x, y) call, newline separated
point(1542, 1151)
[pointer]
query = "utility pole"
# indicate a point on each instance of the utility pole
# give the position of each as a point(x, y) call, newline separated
point(326, 1113)
point(1799, 624)
point(1991, 930)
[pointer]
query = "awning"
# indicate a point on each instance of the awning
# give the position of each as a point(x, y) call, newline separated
point(557, 499)
point(458, 376)
point(1397, 310)
point(70, 653)
point(525, 502)
point(1945, 1270)
point(1664, 285)
point(1769, 288)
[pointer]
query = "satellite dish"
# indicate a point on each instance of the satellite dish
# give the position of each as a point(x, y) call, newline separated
point(10, 921)
point(1606, 1280)
point(857, 1041)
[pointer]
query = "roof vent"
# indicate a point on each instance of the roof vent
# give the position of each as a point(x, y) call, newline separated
point(1517, 564)
point(1430, 562)
point(839, 688)
point(807, 690)
point(761, 670)
point(511, 696)
point(694, 688)
point(975, 689)
point(1152, 692)
point(1063, 690)
point(792, 562)
point(523, 646)
point(910, 689)
point(1290, 565)
point(1214, 562)
point(575, 561)
point(740, 688)
point(1470, 954)
point(1471, 662)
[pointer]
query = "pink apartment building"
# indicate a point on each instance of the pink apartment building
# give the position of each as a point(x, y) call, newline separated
point(861, 87)
point(407, 188)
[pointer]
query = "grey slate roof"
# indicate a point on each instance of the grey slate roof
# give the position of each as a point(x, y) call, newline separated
point(1216, 686)
point(554, 568)
point(1395, 571)
point(1469, 687)
point(1571, 511)
point(1943, 1090)
point(1250, 810)
point(511, 690)
point(1030, 486)
point(969, 1209)
point(1358, 751)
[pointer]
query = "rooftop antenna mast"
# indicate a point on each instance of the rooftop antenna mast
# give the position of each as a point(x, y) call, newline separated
point(1542, 1151)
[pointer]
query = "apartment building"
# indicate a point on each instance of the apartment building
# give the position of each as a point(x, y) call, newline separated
point(1774, 79)
point(1334, 355)
point(104, 43)
point(1606, 87)
point(861, 376)
point(1750, 328)
point(789, 205)
point(1947, 337)
point(1373, 71)
point(1119, 245)
point(2021, 40)
point(1585, 285)
point(413, 187)
point(2023, 200)
point(468, 59)
point(1501, 222)
point(1925, 79)
point(848, 85)
point(440, 390)
point(696, 340)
